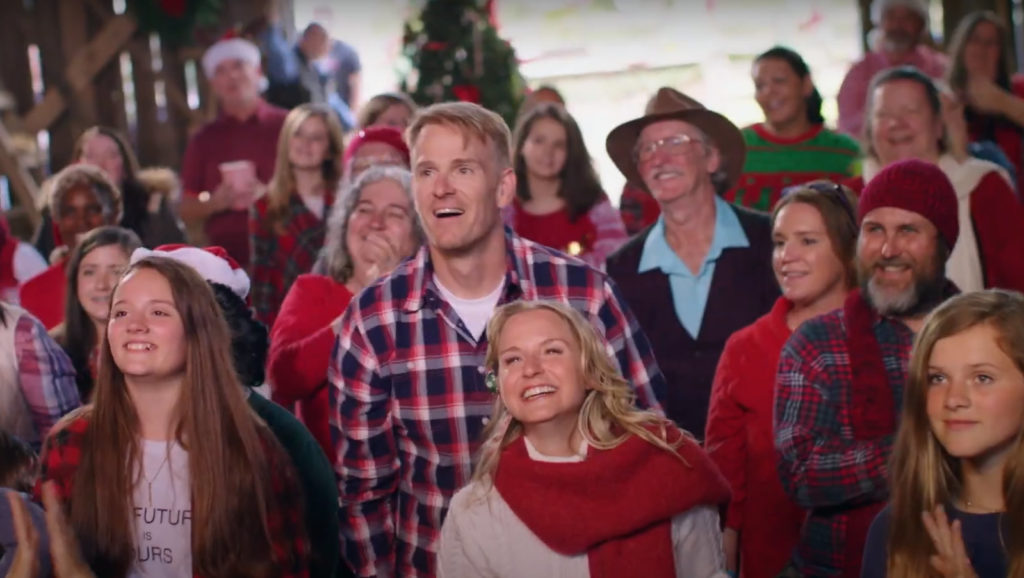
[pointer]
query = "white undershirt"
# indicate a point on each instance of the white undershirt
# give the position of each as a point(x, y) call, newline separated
point(315, 204)
point(474, 313)
point(163, 527)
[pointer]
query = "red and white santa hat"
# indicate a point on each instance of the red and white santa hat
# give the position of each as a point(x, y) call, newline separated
point(212, 263)
point(230, 47)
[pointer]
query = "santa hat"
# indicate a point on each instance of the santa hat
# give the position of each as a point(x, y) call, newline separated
point(212, 263)
point(880, 7)
point(915, 186)
point(229, 48)
point(386, 134)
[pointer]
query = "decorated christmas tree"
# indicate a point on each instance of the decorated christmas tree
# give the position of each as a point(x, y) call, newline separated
point(455, 53)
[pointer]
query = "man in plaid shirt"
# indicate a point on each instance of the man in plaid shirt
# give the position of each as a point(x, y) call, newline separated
point(407, 391)
point(841, 376)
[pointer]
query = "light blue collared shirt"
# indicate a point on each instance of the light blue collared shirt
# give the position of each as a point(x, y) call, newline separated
point(689, 291)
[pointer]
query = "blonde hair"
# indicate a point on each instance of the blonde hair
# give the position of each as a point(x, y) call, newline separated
point(371, 111)
point(282, 184)
point(922, 474)
point(472, 120)
point(608, 416)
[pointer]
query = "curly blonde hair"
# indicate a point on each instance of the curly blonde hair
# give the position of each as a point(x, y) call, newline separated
point(609, 415)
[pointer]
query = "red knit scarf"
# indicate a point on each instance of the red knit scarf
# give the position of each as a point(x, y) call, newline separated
point(872, 411)
point(872, 408)
point(617, 505)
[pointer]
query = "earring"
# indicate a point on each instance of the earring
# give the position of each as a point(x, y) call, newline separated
point(491, 381)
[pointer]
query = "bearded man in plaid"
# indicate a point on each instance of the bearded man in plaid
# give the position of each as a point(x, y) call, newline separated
point(840, 379)
point(408, 395)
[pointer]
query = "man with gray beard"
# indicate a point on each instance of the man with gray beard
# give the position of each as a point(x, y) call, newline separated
point(840, 379)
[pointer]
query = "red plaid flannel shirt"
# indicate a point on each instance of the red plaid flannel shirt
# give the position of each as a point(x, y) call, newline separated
point(62, 454)
point(823, 468)
point(408, 400)
point(278, 258)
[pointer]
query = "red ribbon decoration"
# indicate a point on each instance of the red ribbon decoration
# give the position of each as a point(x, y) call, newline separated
point(467, 93)
point(173, 8)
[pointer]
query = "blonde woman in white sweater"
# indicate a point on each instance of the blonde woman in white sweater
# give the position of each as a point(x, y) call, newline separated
point(573, 480)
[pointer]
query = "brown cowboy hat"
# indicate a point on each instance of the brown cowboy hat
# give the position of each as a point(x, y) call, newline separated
point(670, 104)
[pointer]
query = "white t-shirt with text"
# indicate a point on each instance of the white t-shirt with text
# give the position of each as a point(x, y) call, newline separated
point(163, 513)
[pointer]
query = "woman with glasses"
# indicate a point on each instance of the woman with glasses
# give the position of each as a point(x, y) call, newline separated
point(792, 145)
point(286, 226)
point(907, 120)
point(559, 200)
point(367, 236)
point(814, 236)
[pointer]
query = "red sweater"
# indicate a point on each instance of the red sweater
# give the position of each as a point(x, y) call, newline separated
point(998, 228)
point(43, 295)
point(740, 441)
point(300, 351)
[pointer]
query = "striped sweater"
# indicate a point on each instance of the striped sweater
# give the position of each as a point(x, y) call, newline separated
point(775, 163)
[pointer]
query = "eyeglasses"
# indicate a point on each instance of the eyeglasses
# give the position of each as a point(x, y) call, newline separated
point(830, 190)
point(674, 144)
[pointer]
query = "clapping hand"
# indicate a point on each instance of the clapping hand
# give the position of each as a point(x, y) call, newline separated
point(67, 558)
point(950, 559)
point(382, 255)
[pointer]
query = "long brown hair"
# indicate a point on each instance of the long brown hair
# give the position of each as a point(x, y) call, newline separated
point(580, 186)
point(923, 474)
point(282, 184)
point(77, 333)
point(609, 414)
point(228, 472)
point(956, 76)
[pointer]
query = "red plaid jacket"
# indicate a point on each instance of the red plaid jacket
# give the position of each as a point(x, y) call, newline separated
point(62, 454)
point(842, 480)
point(278, 257)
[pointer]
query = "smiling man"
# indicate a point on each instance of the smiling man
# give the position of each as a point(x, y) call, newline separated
point(841, 376)
point(705, 260)
point(409, 400)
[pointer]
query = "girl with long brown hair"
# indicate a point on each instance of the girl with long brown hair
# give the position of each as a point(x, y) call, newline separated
point(167, 472)
point(957, 467)
point(287, 225)
point(571, 480)
point(559, 200)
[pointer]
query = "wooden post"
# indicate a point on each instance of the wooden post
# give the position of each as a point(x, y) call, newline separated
point(147, 140)
point(74, 32)
point(24, 185)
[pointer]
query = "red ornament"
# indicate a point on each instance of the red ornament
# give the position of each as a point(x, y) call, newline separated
point(173, 8)
point(435, 45)
point(467, 93)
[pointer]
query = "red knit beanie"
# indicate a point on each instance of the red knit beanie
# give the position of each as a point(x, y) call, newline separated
point(916, 186)
point(385, 134)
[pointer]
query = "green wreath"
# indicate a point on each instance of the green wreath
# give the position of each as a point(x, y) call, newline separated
point(175, 20)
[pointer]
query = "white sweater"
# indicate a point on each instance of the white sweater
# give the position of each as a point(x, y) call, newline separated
point(482, 538)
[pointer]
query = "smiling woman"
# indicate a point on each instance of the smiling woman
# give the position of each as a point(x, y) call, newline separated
point(167, 470)
point(95, 267)
point(566, 441)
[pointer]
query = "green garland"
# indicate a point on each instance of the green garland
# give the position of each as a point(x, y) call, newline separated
point(175, 30)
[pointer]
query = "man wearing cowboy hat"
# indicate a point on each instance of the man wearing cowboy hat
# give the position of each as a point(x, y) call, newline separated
point(705, 260)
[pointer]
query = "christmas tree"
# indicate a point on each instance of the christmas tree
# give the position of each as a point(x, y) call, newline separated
point(455, 53)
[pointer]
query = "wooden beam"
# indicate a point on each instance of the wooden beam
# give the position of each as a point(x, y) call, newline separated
point(74, 29)
point(25, 188)
point(81, 69)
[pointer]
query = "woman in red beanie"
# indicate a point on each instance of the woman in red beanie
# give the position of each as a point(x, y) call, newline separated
point(286, 226)
point(367, 236)
point(375, 145)
point(573, 480)
point(814, 229)
point(907, 120)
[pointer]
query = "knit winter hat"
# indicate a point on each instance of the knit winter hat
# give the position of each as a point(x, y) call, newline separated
point(386, 134)
point(212, 263)
point(229, 48)
point(916, 186)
